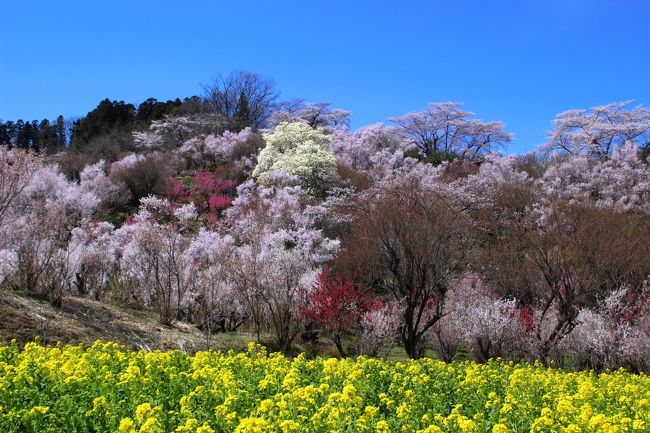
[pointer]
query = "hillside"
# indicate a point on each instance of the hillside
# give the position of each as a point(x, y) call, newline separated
point(82, 321)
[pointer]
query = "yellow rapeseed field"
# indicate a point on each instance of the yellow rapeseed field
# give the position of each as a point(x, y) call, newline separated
point(106, 388)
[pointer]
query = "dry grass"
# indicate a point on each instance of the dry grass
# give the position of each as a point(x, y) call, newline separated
point(82, 321)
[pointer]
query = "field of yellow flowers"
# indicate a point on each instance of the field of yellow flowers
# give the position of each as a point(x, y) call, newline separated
point(105, 388)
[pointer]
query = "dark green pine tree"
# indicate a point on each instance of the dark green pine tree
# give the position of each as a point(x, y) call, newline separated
point(60, 132)
point(25, 132)
point(242, 117)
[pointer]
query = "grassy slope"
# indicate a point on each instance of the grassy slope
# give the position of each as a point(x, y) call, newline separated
point(81, 320)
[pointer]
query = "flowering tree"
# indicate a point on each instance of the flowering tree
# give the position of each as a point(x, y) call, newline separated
point(620, 182)
point(210, 148)
point(599, 131)
point(278, 253)
point(213, 189)
point(16, 170)
point(172, 131)
point(113, 194)
point(210, 294)
point(92, 258)
point(36, 226)
point(154, 255)
point(613, 334)
point(574, 253)
point(379, 327)
point(444, 128)
point(298, 149)
point(314, 114)
point(374, 148)
point(336, 305)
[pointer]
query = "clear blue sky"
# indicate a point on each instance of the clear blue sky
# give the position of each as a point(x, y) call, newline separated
point(516, 61)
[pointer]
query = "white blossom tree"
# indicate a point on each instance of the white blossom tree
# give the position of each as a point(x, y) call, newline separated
point(154, 255)
point(599, 131)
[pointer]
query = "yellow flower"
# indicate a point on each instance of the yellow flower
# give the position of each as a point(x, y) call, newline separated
point(382, 427)
point(39, 410)
point(500, 428)
point(142, 411)
point(126, 425)
point(204, 429)
point(289, 426)
point(252, 425)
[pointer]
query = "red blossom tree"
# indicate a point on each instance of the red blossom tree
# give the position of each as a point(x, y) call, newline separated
point(175, 190)
point(209, 186)
point(336, 305)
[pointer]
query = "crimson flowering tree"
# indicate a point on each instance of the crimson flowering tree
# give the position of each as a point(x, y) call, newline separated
point(336, 304)
point(210, 186)
point(175, 190)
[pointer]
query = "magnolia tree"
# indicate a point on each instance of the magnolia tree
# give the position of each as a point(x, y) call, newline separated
point(445, 129)
point(278, 253)
point(299, 150)
point(599, 131)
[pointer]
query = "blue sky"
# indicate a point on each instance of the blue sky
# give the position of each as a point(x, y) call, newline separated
point(516, 61)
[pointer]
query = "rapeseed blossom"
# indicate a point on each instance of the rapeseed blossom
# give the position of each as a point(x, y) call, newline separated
point(108, 388)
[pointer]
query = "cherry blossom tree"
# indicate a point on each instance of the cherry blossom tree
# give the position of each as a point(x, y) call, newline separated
point(314, 114)
point(17, 167)
point(210, 294)
point(37, 225)
point(599, 131)
point(211, 147)
point(571, 255)
point(278, 253)
point(379, 326)
point(154, 255)
point(620, 182)
point(171, 132)
point(444, 128)
point(375, 148)
point(92, 258)
point(613, 334)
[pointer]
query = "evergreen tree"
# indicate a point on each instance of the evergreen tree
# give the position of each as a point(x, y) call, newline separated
point(242, 117)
